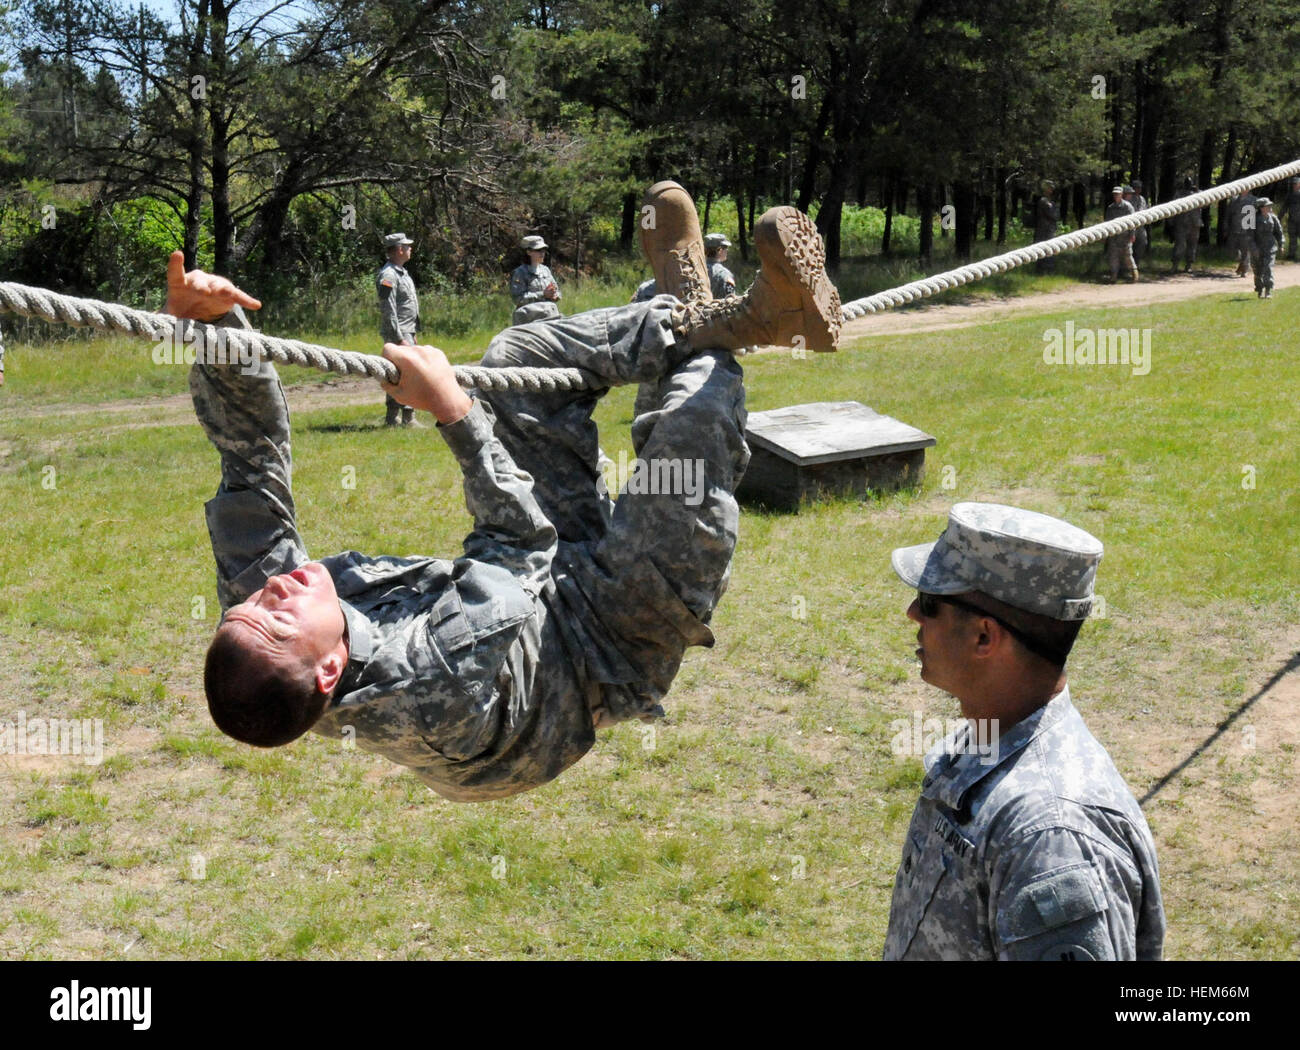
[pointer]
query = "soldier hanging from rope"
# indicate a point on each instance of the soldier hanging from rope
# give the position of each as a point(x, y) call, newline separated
point(488, 674)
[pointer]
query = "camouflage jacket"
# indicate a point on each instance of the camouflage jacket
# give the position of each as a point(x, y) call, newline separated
point(457, 669)
point(528, 284)
point(399, 305)
point(1117, 210)
point(1240, 217)
point(1042, 854)
point(1267, 234)
point(722, 283)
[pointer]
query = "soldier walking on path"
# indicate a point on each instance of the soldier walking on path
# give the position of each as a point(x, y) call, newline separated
point(533, 286)
point(488, 675)
point(1119, 247)
point(1265, 243)
point(399, 314)
point(1291, 207)
point(1186, 229)
point(1047, 213)
point(1025, 843)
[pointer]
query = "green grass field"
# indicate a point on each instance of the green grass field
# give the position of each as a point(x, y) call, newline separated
point(764, 818)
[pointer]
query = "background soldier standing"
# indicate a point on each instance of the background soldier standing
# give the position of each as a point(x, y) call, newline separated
point(1292, 208)
point(1047, 213)
point(1186, 229)
point(399, 314)
point(1119, 248)
point(532, 285)
point(721, 281)
point(1241, 223)
point(1265, 243)
point(1133, 194)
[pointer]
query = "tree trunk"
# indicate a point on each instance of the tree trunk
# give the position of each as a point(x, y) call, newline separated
point(963, 197)
point(813, 160)
point(627, 231)
point(1226, 176)
point(888, 194)
point(925, 209)
point(1001, 190)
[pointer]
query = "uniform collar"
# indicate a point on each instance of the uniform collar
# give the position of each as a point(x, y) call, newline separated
point(360, 643)
point(951, 771)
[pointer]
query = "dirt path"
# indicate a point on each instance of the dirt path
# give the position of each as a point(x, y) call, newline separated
point(1151, 289)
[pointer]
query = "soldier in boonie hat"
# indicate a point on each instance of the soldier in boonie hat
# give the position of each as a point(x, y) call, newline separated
point(1026, 843)
point(532, 285)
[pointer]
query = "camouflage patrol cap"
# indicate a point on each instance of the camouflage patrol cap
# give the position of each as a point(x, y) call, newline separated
point(533, 244)
point(1263, 202)
point(394, 239)
point(1117, 189)
point(714, 241)
point(1030, 561)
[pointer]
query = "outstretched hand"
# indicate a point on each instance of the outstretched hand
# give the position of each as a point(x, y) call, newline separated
point(201, 296)
point(427, 382)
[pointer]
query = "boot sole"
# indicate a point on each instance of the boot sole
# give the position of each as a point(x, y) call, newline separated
point(796, 247)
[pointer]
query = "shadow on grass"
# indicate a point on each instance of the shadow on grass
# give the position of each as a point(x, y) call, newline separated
point(1287, 668)
point(345, 428)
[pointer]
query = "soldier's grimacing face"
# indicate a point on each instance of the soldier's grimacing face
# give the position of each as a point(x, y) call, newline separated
point(297, 612)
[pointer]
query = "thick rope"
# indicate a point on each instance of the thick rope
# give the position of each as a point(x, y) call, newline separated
point(244, 345)
point(231, 345)
point(1043, 249)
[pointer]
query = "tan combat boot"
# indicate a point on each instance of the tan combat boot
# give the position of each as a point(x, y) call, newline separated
point(791, 303)
point(674, 245)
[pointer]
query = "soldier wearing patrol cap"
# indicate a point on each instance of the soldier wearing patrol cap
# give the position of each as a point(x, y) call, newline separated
point(399, 313)
point(721, 281)
point(1033, 847)
point(532, 285)
point(1265, 243)
point(1119, 247)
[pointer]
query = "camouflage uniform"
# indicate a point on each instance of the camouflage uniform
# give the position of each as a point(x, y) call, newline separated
point(1140, 235)
point(485, 675)
point(528, 290)
point(1292, 208)
point(1036, 850)
point(399, 313)
point(1043, 855)
point(1119, 248)
point(1240, 219)
point(1187, 235)
point(721, 280)
point(1265, 243)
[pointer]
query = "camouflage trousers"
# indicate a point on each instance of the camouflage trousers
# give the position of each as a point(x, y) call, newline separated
point(1119, 254)
point(1262, 260)
point(1241, 251)
point(1186, 242)
point(639, 577)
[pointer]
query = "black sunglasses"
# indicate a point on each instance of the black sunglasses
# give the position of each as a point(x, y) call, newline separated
point(928, 604)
